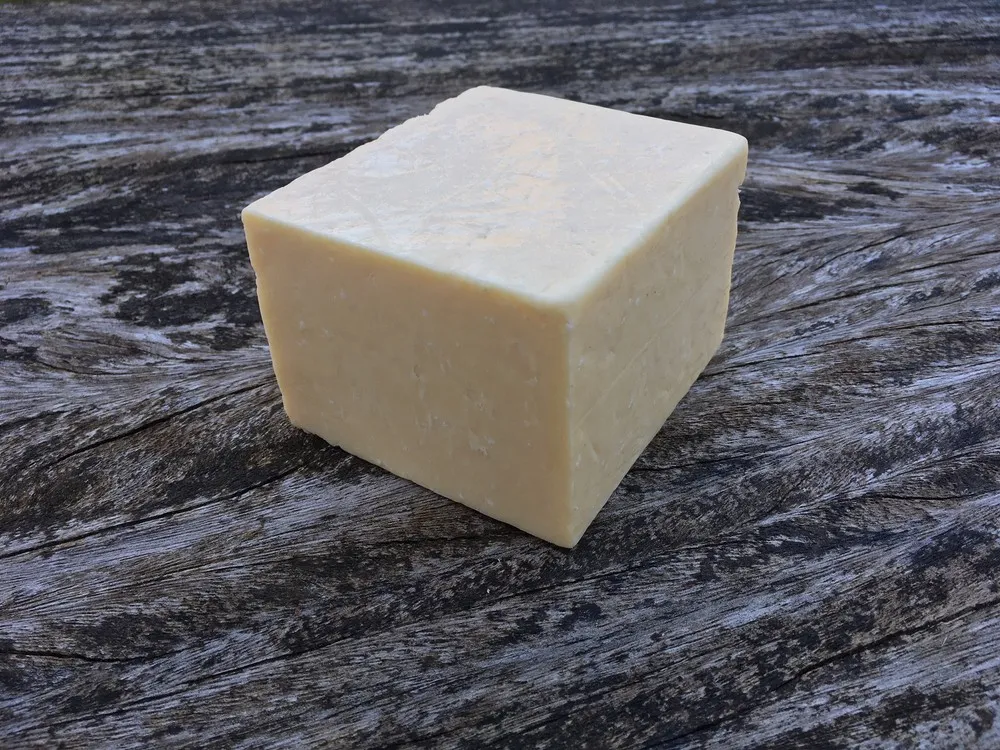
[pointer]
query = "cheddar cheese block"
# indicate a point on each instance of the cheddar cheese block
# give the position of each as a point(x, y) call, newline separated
point(504, 299)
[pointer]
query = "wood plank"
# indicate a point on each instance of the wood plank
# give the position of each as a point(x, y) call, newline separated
point(806, 555)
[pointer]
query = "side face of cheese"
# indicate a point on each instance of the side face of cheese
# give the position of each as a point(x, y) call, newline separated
point(504, 299)
point(644, 335)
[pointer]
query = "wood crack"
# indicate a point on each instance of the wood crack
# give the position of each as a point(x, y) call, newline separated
point(330, 154)
point(75, 657)
point(57, 543)
point(955, 261)
point(148, 425)
point(654, 468)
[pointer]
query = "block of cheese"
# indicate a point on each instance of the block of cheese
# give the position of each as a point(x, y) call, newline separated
point(504, 299)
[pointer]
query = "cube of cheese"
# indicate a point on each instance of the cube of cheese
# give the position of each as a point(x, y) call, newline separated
point(502, 300)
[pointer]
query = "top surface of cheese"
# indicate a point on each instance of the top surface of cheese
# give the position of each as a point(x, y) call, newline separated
point(529, 194)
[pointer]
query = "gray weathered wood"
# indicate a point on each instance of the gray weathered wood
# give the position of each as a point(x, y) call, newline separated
point(807, 555)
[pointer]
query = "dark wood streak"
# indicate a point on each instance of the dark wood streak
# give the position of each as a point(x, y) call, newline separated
point(807, 554)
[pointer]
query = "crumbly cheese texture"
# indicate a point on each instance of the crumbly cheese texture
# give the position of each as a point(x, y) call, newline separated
point(504, 299)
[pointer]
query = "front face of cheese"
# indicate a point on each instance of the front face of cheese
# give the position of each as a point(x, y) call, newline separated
point(502, 300)
point(461, 389)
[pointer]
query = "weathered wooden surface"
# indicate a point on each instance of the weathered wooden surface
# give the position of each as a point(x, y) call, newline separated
point(807, 554)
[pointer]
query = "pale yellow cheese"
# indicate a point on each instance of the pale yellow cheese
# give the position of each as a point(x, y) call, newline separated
point(502, 300)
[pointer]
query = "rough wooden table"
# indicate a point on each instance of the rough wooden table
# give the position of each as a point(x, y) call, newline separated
point(807, 555)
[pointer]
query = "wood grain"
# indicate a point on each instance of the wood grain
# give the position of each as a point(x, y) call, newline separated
point(806, 556)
